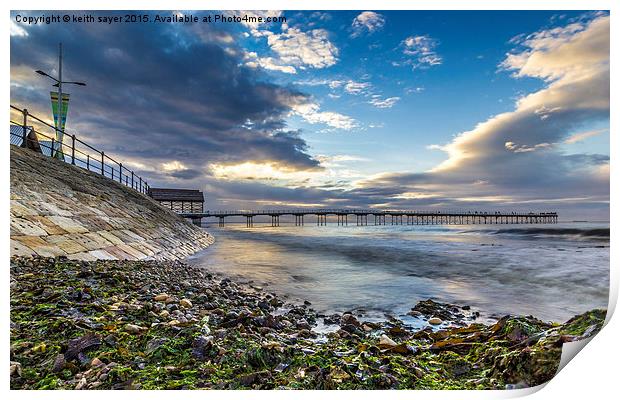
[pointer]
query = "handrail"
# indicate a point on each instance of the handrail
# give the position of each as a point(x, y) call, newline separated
point(350, 211)
point(98, 162)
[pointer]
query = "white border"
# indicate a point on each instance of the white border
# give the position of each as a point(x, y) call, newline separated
point(592, 374)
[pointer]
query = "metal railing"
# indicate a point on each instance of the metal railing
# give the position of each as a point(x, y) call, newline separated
point(351, 211)
point(77, 152)
point(371, 211)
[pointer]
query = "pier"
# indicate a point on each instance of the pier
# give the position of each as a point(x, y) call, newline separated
point(379, 217)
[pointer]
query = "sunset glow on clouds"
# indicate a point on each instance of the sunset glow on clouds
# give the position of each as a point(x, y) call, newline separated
point(361, 109)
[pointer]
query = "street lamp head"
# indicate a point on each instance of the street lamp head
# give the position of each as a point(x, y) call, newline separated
point(41, 72)
point(70, 83)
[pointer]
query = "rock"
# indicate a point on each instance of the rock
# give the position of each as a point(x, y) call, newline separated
point(272, 322)
point(16, 368)
point(332, 320)
point(200, 346)
point(430, 308)
point(249, 379)
point(77, 346)
point(83, 359)
point(418, 372)
point(303, 324)
point(404, 348)
point(59, 363)
point(460, 369)
point(385, 341)
point(349, 319)
point(96, 362)
point(185, 303)
point(435, 321)
point(414, 313)
point(164, 314)
point(161, 297)
point(81, 384)
point(154, 344)
point(110, 340)
point(281, 367)
point(131, 328)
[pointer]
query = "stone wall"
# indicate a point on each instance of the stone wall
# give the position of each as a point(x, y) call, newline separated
point(61, 210)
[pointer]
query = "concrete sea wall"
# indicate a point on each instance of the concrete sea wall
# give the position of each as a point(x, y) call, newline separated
point(61, 210)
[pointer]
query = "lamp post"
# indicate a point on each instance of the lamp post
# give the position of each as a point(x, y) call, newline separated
point(59, 82)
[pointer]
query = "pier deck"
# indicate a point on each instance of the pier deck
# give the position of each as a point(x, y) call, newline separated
point(382, 217)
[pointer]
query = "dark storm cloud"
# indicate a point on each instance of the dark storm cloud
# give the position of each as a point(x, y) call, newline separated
point(160, 92)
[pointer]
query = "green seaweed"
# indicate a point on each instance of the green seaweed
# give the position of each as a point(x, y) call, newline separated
point(56, 303)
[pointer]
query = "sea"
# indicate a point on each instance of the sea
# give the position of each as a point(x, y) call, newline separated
point(552, 272)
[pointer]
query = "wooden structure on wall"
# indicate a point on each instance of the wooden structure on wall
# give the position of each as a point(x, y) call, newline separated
point(182, 201)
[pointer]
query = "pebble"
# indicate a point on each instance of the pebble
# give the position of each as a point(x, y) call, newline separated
point(81, 384)
point(185, 303)
point(131, 328)
point(211, 325)
point(349, 319)
point(161, 297)
point(16, 368)
point(384, 340)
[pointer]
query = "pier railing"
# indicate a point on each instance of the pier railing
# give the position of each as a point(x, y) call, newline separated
point(353, 211)
point(411, 217)
point(32, 132)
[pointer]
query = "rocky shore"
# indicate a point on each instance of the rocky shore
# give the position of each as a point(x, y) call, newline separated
point(169, 325)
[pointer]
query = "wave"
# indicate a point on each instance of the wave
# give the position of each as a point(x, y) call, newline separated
point(585, 233)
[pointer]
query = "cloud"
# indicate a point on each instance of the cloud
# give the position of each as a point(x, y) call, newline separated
point(420, 51)
point(252, 22)
point(349, 86)
point(299, 48)
point(483, 169)
point(510, 146)
point(276, 174)
point(578, 137)
point(262, 171)
point(339, 160)
point(412, 90)
point(332, 83)
point(310, 112)
point(379, 102)
point(296, 49)
point(157, 94)
point(190, 100)
point(353, 87)
point(513, 154)
point(17, 30)
point(269, 63)
point(367, 21)
point(172, 166)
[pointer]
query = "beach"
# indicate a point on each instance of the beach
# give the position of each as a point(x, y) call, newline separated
point(169, 325)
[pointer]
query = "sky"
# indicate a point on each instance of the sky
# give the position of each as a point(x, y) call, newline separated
point(423, 110)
